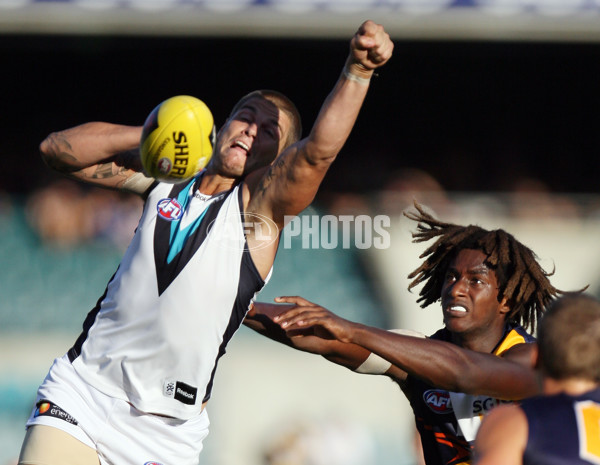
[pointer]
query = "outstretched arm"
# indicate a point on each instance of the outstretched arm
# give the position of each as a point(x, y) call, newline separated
point(439, 363)
point(99, 153)
point(291, 182)
point(260, 319)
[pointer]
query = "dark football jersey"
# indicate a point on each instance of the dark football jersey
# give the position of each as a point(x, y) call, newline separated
point(446, 421)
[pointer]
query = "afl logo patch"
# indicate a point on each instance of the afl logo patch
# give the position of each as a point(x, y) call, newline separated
point(438, 401)
point(169, 209)
point(152, 463)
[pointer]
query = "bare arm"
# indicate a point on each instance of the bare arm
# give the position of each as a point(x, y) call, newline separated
point(439, 363)
point(99, 153)
point(291, 182)
point(502, 437)
point(260, 319)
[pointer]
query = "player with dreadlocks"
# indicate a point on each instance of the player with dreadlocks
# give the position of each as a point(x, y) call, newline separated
point(491, 289)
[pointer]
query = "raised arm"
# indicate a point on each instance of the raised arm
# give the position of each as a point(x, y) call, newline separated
point(99, 153)
point(291, 182)
point(439, 363)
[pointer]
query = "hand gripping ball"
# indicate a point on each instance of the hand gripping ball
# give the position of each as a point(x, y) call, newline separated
point(177, 139)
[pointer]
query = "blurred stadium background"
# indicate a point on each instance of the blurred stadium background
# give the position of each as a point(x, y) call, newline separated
point(486, 114)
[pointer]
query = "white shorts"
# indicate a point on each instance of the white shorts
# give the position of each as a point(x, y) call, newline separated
point(118, 431)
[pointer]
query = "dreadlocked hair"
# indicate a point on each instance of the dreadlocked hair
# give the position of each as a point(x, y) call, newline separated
point(521, 279)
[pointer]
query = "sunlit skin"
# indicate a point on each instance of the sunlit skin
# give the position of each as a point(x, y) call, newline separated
point(470, 304)
point(251, 138)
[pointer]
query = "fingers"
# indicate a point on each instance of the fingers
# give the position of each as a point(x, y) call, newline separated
point(300, 301)
point(300, 316)
point(371, 45)
point(296, 316)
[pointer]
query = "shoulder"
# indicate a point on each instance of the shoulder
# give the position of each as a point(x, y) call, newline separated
point(441, 335)
point(518, 331)
point(516, 340)
point(505, 413)
point(501, 420)
point(502, 436)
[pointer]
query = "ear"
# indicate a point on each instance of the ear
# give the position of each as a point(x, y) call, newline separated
point(504, 307)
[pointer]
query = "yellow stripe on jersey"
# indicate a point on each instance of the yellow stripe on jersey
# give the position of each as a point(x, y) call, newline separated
point(512, 339)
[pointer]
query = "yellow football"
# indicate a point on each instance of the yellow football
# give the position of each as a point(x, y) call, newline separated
point(177, 139)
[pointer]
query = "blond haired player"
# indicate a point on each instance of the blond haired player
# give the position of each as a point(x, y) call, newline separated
point(133, 388)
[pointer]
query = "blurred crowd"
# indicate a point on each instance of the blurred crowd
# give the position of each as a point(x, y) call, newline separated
point(66, 214)
point(521, 197)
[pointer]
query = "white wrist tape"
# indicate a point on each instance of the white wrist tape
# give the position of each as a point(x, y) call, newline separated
point(376, 365)
point(353, 77)
point(373, 365)
point(137, 183)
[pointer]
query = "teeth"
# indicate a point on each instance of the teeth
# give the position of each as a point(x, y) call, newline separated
point(458, 308)
point(242, 145)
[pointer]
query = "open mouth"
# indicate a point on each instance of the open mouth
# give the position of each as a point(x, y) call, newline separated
point(242, 145)
point(456, 309)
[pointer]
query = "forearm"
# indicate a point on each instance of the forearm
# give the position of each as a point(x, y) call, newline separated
point(88, 144)
point(338, 115)
point(101, 153)
point(260, 319)
point(370, 48)
point(447, 366)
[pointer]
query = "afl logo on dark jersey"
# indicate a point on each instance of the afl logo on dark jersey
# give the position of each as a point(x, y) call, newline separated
point(438, 401)
point(169, 209)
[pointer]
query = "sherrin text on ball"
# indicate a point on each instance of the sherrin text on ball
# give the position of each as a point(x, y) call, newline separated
point(177, 139)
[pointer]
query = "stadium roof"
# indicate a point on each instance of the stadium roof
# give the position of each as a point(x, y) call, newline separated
point(542, 20)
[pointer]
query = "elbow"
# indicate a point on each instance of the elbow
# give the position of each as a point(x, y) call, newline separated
point(322, 154)
point(46, 147)
point(49, 151)
point(54, 156)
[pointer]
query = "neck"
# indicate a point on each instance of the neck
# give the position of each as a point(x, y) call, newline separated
point(485, 341)
point(211, 184)
point(571, 386)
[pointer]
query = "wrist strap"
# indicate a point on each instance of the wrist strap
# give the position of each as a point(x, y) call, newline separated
point(353, 77)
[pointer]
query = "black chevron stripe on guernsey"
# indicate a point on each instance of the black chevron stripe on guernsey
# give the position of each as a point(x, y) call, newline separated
point(166, 271)
point(75, 351)
point(249, 283)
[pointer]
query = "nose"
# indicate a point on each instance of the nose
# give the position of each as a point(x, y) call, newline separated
point(251, 129)
point(458, 288)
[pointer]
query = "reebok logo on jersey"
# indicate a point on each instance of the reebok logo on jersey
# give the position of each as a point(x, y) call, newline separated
point(169, 209)
point(180, 391)
point(48, 409)
point(438, 401)
point(185, 393)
